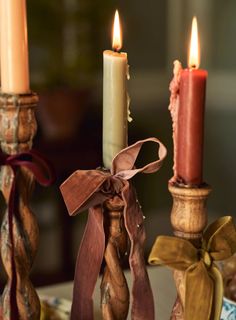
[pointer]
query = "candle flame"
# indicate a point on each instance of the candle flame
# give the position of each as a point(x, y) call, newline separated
point(194, 52)
point(117, 39)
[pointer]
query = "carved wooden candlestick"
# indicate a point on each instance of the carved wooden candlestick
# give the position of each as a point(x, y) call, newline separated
point(18, 247)
point(189, 219)
point(115, 223)
point(114, 288)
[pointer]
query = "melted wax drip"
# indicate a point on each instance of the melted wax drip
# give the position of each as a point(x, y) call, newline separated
point(174, 108)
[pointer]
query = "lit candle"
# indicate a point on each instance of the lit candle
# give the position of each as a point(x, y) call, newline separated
point(115, 98)
point(188, 92)
point(14, 47)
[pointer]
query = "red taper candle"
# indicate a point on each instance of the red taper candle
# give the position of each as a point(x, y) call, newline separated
point(189, 118)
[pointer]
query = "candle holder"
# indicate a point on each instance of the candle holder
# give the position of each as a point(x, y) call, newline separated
point(193, 254)
point(19, 233)
point(115, 223)
point(114, 288)
point(188, 219)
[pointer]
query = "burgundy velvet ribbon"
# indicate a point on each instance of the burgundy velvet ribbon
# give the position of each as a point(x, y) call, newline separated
point(44, 175)
point(90, 189)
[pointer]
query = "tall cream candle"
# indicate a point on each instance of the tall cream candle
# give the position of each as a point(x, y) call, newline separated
point(14, 46)
point(115, 98)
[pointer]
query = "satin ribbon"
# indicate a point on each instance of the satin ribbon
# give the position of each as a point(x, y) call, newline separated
point(90, 189)
point(44, 175)
point(203, 280)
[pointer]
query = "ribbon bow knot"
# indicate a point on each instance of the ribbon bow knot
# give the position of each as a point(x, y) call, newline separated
point(112, 186)
point(203, 280)
point(89, 189)
point(32, 160)
point(205, 257)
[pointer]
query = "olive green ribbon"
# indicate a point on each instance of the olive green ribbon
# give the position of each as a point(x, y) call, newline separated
point(203, 280)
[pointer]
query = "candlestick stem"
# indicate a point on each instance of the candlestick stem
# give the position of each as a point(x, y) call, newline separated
point(114, 288)
point(19, 242)
point(189, 219)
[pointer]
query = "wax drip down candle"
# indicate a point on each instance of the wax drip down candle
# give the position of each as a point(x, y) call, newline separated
point(115, 97)
point(187, 107)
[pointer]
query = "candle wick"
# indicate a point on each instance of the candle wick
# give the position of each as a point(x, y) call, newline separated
point(116, 50)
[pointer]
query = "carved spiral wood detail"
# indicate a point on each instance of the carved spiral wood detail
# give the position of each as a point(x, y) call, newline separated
point(19, 243)
point(114, 288)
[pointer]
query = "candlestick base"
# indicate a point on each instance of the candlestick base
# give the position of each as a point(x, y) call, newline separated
point(19, 233)
point(188, 219)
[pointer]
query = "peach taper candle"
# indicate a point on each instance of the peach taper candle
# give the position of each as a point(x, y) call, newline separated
point(14, 47)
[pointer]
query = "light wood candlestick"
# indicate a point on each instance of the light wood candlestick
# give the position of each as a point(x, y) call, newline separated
point(188, 219)
point(18, 248)
point(114, 288)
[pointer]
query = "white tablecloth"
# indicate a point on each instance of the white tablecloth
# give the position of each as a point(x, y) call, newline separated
point(162, 284)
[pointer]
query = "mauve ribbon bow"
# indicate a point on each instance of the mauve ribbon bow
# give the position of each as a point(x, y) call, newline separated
point(203, 280)
point(44, 175)
point(90, 189)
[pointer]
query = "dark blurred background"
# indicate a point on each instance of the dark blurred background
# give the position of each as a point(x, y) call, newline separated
point(66, 39)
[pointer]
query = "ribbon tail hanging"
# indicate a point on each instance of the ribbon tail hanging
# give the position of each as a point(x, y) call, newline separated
point(218, 292)
point(142, 297)
point(200, 289)
point(12, 207)
point(88, 266)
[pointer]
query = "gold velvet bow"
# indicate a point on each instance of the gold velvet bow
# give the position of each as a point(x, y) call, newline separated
point(203, 280)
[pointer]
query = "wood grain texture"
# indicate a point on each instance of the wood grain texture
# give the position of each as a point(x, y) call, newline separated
point(17, 129)
point(114, 288)
point(188, 219)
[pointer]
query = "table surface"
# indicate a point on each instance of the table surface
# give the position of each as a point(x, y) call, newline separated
point(162, 284)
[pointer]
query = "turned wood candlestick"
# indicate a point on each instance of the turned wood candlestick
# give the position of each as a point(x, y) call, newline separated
point(189, 219)
point(18, 248)
point(114, 288)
